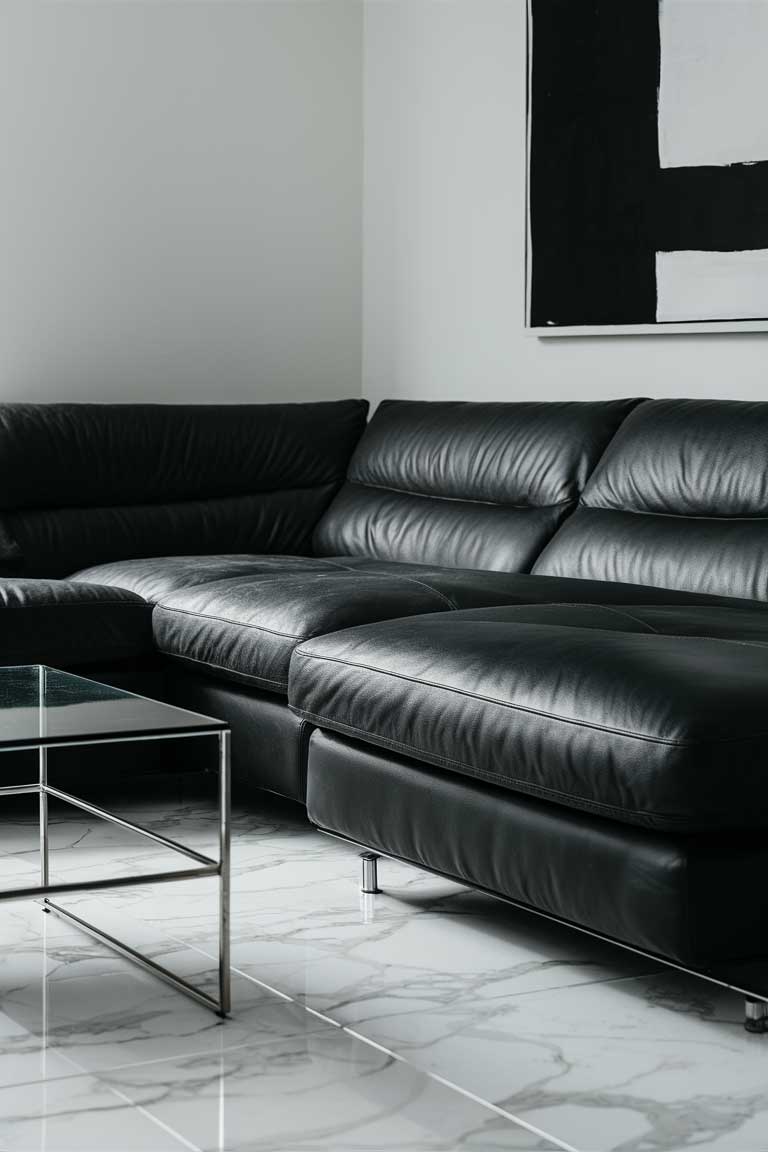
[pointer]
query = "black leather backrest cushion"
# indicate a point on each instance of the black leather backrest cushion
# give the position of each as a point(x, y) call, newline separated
point(467, 485)
point(680, 500)
point(83, 484)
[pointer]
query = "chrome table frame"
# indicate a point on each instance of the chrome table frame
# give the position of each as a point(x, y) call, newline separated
point(206, 865)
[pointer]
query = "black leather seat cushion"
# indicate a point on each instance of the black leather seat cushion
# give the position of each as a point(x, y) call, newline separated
point(60, 623)
point(159, 576)
point(650, 715)
point(245, 627)
point(156, 577)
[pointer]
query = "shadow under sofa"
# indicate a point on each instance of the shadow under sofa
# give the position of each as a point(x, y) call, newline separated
point(464, 635)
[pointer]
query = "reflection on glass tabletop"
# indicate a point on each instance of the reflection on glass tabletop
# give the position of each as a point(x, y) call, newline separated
point(40, 705)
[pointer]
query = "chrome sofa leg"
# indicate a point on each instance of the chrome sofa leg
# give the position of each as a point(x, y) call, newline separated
point(370, 879)
point(756, 1015)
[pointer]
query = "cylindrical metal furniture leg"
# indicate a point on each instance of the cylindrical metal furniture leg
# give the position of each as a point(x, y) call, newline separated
point(370, 872)
point(44, 869)
point(756, 1015)
point(225, 807)
point(43, 778)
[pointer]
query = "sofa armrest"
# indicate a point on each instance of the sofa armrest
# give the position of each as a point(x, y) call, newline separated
point(64, 624)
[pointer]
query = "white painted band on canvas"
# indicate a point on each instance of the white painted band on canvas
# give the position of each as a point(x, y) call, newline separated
point(713, 92)
point(712, 285)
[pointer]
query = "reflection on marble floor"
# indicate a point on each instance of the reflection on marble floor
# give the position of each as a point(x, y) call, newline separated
point(438, 1018)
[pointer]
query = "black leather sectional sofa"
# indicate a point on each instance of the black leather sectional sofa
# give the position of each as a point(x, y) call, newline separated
point(522, 645)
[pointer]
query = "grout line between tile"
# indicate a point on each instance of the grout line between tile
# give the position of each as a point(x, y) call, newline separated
point(182, 1140)
point(588, 983)
point(554, 1140)
point(463, 1092)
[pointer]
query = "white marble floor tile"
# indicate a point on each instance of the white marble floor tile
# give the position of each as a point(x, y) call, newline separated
point(79, 1114)
point(64, 994)
point(560, 1030)
point(323, 1090)
point(593, 1047)
point(650, 1063)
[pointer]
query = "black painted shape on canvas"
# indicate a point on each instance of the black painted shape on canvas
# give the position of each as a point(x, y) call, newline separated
point(601, 206)
point(594, 161)
point(711, 209)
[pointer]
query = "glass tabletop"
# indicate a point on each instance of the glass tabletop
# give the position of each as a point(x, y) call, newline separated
point(42, 706)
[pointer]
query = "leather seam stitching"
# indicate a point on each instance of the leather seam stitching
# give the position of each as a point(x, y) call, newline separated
point(250, 677)
point(290, 635)
point(414, 580)
point(511, 783)
point(628, 616)
point(463, 499)
point(404, 576)
point(227, 620)
point(673, 515)
point(667, 741)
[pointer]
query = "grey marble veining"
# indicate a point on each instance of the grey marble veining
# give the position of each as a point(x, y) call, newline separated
point(591, 1047)
point(318, 1091)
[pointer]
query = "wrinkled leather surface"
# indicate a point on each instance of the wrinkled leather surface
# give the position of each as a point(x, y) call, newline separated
point(469, 588)
point(688, 898)
point(401, 526)
point(245, 627)
point(687, 458)
point(680, 499)
point(144, 453)
point(468, 485)
point(60, 623)
point(464, 588)
point(623, 712)
point(82, 484)
point(157, 577)
point(62, 541)
point(723, 557)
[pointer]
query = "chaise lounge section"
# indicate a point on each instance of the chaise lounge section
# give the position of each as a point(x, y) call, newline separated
point(603, 764)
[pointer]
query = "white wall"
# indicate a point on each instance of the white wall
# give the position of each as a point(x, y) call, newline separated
point(180, 199)
point(444, 160)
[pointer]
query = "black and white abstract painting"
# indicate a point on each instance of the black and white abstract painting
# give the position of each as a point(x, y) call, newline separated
point(647, 165)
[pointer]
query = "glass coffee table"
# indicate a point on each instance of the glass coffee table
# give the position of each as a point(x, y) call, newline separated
point(42, 709)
